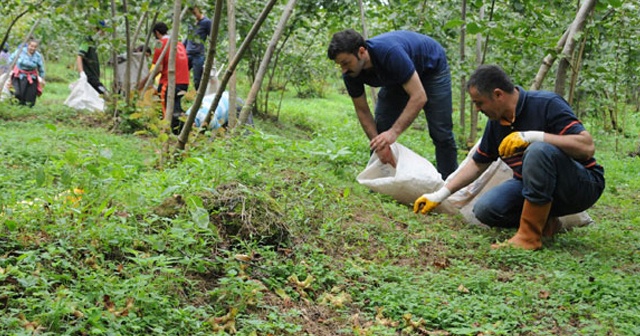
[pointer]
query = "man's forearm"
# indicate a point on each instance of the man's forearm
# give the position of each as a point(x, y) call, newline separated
point(364, 116)
point(368, 124)
point(408, 115)
point(79, 63)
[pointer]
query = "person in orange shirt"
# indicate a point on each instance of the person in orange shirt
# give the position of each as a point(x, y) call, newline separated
point(160, 30)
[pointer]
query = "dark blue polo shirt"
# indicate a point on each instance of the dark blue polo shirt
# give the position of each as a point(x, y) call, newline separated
point(197, 36)
point(395, 56)
point(535, 111)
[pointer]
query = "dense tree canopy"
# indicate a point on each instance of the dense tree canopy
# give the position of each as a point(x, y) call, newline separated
point(517, 35)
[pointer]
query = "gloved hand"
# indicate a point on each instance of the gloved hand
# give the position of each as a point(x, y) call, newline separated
point(83, 75)
point(518, 142)
point(427, 202)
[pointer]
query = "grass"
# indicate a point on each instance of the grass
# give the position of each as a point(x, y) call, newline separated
point(270, 234)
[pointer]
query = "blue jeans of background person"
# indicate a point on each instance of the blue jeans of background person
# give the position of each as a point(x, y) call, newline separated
point(548, 175)
point(438, 110)
point(196, 63)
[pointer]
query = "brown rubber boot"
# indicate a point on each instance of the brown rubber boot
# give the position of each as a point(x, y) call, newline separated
point(532, 223)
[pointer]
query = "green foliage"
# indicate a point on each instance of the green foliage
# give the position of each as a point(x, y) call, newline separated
point(268, 233)
point(94, 239)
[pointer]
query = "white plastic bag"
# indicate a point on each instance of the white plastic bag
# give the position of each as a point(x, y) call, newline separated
point(415, 175)
point(412, 177)
point(84, 97)
point(219, 117)
point(5, 93)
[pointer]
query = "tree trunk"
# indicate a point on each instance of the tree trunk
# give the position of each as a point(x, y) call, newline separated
point(144, 48)
point(306, 50)
point(114, 57)
point(208, 64)
point(236, 59)
point(15, 59)
point(137, 32)
point(171, 64)
point(613, 112)
point(576, 27)
point(473, 113)
point(130, 49)
point(156, 69)
point(231, 27)
point(248, 106)
point(13, 22)
point(163, 52)
point(127, 72)
point(274, 70)
point(365, 34)
point(463, 78)
point(576, 72)
point(486, 42)
point(547, 62)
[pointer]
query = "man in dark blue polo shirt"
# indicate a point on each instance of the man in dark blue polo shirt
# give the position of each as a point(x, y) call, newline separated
point(413, 74)
point(550, 152)
point(196, 37)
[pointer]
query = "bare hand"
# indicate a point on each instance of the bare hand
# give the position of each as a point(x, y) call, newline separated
point(386, 156)
point(384, 139)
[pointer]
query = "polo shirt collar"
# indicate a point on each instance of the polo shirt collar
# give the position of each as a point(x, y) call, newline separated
point(521, 99)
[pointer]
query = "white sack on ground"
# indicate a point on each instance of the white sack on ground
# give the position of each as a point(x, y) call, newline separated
point(415, 175)
point(135, 67)
point(84, 97)
point(221, 115)
point(5, 93)
point(412, 177)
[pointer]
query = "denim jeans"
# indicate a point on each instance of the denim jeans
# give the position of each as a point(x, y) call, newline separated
point(548, 175)
point(438, 110)
point(196, 63)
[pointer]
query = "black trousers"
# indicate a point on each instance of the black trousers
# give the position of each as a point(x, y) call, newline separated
point(25, 92)
point(181, 89)
point(97, 85)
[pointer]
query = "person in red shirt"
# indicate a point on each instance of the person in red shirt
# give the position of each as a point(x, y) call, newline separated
point(182, 75)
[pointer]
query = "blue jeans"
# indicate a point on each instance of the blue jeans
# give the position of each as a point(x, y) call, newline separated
point(548, 175)
point(196, 63)
point(438, 110)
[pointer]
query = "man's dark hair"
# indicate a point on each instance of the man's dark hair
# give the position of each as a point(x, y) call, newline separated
point(487, 77)
point(161, 28)
point(346, 41)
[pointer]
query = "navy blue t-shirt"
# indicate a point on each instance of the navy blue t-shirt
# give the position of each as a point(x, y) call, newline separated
point(197, 36)
point(535, 111)
point(395, 56)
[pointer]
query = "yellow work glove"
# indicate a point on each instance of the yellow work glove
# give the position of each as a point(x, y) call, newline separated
point(427, 202)
point(517, 142)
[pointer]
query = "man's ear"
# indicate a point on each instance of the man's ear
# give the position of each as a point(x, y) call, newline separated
point(362, 51)
point(498, 93)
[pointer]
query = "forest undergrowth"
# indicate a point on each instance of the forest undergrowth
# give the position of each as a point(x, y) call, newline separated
point(268, 233)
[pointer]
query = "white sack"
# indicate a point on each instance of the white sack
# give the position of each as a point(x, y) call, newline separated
point(135, 67)
point(84, 97)
point(219, 117)
point(412, 177)
point(415, 175)
point(5, 93)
